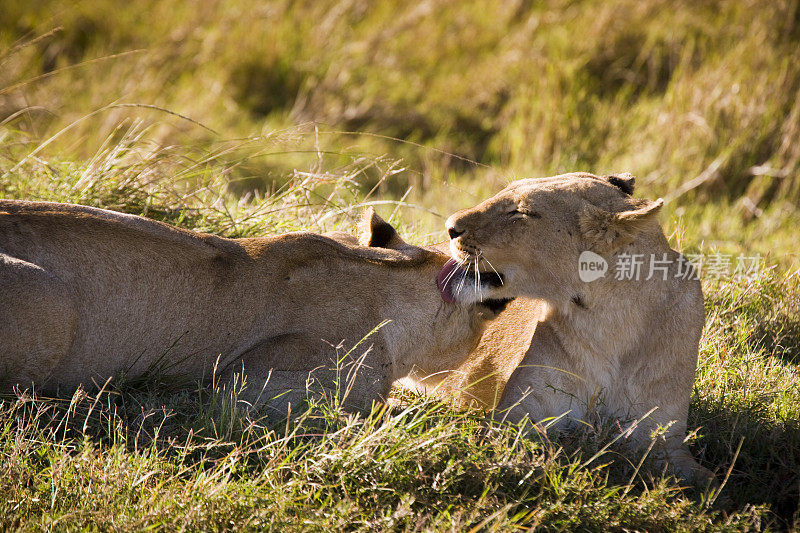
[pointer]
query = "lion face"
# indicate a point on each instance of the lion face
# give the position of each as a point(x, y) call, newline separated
point(526, 240)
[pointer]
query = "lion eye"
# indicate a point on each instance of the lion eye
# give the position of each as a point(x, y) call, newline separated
point(520, 212)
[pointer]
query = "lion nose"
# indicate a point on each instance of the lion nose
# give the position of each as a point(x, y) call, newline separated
point(452, 226)
point(454, 233)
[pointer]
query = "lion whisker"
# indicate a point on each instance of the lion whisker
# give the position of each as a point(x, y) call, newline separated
point(478, 288)
point(492, 267)
point(464, 276)
point(462, 264)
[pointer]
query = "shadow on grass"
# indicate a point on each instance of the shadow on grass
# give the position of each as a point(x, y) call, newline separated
point(780, 335)
point(767, 467)
point(420, 466)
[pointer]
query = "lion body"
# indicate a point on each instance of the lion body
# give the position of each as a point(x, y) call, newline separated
point(625, 349)
point(88, 294)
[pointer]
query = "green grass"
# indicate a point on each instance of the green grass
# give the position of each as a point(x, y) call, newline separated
point(668, 91)
point(246, 119)
point(132, 460)
point(150, 453)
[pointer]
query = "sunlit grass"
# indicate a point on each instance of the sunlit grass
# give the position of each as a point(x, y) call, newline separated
point(694, 98)
point(257, 118)
point(130, 460)
point(159, 452)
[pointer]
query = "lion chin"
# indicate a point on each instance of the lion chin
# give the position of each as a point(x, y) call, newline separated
point(458, 282)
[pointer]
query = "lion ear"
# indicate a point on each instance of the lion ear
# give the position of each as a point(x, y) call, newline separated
point(378, 233)
point(607, 232)
point(624, 182)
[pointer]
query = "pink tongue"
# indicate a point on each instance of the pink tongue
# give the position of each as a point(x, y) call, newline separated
point(444, 281)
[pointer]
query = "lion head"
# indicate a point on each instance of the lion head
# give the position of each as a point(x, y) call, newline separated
point(527, 239)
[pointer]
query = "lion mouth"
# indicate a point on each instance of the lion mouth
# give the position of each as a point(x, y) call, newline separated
point(456, 278)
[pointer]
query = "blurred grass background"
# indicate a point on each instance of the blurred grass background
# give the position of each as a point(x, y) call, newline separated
point(699, 100)
point(244, 118)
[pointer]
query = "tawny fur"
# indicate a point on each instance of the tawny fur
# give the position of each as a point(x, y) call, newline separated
point(88, 294)
point(616, 347)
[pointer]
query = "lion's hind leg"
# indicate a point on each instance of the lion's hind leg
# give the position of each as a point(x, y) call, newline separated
point(287, 373)
point(38, 319)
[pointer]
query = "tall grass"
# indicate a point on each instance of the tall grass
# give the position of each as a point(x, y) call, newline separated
point(161, 453)
point(243, 119)
point(129, 460)
point(695, 98)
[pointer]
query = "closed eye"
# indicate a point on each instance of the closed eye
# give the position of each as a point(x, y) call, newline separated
point(524, 213)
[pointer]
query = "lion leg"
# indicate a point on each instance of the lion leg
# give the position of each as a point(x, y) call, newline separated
point(38, 320)
point(661, 376)
point(687, 467)
point(481, 379)
point(673, 451)
point(286, 371)
point(277, 395)
point(477, 384)
point(548, 383)
point(545, 385)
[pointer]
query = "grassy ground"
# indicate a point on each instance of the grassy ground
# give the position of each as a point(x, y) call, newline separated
point(284, 122)
point(149, 453)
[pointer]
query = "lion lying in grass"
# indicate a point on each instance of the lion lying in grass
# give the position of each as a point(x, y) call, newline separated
point(88, 294)
point(580, 339)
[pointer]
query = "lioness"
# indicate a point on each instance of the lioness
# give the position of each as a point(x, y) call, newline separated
point(86, 294)
point(620, 341)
